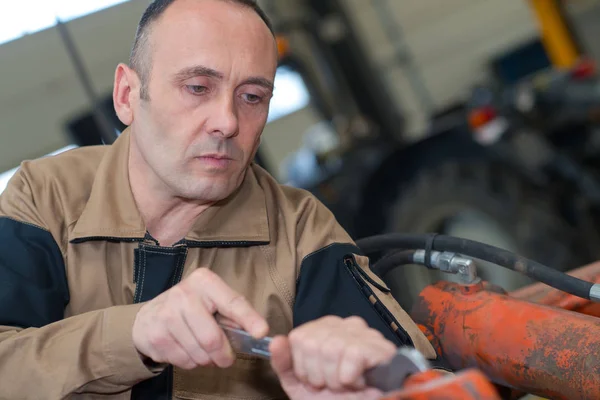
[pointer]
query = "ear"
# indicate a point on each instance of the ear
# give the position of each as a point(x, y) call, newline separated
point(124, 90)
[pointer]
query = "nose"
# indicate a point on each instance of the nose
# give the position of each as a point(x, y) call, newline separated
point(223, 120)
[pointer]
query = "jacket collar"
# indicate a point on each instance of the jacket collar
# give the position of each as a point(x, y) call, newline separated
point(111, 211)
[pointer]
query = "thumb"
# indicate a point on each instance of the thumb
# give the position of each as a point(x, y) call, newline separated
point(281, 357)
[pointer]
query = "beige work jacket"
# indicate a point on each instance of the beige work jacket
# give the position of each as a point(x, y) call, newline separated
point(76, 264)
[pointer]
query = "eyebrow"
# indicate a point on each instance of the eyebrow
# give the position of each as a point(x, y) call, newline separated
point(256, 80)
point(200, 70)
point(197, 70)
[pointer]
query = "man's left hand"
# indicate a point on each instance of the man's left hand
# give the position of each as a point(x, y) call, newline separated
point(326, 359)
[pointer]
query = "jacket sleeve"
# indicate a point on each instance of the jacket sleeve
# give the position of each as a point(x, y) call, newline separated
point(41, 352)
point(334, 278)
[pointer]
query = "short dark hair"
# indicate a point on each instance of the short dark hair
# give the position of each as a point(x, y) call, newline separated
point(141, 64)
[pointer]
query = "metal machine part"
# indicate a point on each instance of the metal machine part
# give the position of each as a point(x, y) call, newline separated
point(538, 349)
point(242, 342)
point(391, 376)
point(595, 292)
point(450, 262)
point(385, 377)
point(434, 385)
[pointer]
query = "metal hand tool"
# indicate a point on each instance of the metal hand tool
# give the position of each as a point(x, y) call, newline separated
point(385, 377)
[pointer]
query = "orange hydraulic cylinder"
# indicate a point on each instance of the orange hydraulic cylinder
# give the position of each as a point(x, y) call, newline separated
point(434, 385)
point(535, 348)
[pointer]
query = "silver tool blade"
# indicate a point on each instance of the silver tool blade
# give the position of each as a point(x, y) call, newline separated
point(242, 342)
point(391, 376)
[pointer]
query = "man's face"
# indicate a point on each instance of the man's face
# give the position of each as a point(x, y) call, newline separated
point(213, 66)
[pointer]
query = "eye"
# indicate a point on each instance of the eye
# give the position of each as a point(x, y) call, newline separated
point(252, 98)
point(196, 89)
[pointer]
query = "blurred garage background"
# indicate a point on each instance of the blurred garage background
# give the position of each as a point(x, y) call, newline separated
point(474, 118)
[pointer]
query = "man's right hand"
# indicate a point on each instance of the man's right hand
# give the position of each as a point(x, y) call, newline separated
point(179, 327)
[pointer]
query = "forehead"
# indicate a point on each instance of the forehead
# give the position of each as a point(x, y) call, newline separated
point(215, 33)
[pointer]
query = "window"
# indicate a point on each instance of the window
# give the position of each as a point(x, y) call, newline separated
point(18, 19)
point(290, 94)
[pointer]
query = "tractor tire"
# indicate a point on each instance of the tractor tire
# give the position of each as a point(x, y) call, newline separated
point(484, 202)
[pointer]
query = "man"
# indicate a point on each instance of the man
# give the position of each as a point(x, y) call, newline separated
point(117, 262)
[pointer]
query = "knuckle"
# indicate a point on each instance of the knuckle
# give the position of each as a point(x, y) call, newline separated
point(356, 321)
point(332, 319)
point(203, 276)
point(354, 354)
point(187, 364)
point(347, 379)
point(378, 335)
point(181, 360)
point(310, 345)
point(390, 348)
point(238, 302)
point(179, 292)
point(166, 317)
point(332, 350)
point(159, 342)
point(212, 341)
point(200, 358)
point(296, 336)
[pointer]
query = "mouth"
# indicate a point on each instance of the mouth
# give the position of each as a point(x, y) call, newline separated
point(215, 156)
point(215, 161)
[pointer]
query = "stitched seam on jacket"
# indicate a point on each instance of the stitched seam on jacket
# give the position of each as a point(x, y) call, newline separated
point(138, 271)
point(178, 268)
point(362, 295)
point(164, 253)
point(183, 260)
point(320, 250)
point(141, 284)
point(277, 280)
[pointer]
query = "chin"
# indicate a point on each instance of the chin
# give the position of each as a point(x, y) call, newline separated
point(208, 190)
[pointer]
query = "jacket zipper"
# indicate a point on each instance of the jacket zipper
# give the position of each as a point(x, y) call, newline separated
point(224, 243)
point(387, 316)
point(108, 238)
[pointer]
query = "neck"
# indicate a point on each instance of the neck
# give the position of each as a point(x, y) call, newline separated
point(168, 218)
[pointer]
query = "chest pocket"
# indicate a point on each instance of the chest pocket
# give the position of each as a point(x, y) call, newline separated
point(249, 378)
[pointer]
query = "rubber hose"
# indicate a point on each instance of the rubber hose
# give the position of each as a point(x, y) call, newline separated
point(495, 255)
point(393, 260)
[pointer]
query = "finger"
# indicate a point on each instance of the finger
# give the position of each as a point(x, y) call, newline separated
point(332, 351)
point(219, 297)
point(382, 351)
point(314, 362)
point(183, 335)
point(295, 340)
point(227, 322)
point(281, 357)
point(170, 351)
point(208, 334)
point(352, 367)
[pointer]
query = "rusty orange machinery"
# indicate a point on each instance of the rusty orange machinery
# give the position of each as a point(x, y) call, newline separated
point(434, 385)
point(537, 340)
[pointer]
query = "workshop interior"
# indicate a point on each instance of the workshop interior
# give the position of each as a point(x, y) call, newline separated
point(457, 142)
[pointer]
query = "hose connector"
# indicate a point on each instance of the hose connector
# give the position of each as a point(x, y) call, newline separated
point(595, 292)
point(450, 262)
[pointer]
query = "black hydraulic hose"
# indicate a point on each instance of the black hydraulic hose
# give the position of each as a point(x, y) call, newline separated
point(393, 260)
point(504, 258)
